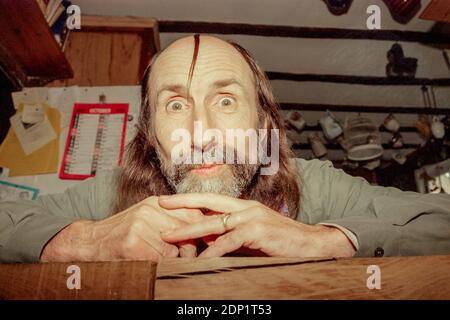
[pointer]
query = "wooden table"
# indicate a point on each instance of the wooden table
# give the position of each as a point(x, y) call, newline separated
point(233, 278)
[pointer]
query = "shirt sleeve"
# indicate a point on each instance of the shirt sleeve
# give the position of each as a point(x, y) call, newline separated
point(26, 226)
point(385, 220)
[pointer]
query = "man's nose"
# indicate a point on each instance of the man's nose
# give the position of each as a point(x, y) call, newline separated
point(201, 123)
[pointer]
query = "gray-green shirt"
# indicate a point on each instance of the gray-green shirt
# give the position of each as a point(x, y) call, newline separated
point(382, 218)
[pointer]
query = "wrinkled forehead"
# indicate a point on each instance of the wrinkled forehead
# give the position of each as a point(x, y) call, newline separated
point(216, 60)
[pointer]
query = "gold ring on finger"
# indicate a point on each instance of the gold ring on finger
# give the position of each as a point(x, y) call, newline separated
point(225, 217)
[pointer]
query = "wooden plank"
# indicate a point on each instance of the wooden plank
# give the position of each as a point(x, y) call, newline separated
point(115, 23)
point(111, 50)
point(364, 80)
point(331, 146)
point(28, 48)
point(362, 108)
point(178, 267)
point(437, 10)
point(99, 280)
point(300, 32)
point(227, 278)
point(103, 59)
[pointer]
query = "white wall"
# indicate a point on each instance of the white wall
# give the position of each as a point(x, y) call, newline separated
point(321, 56)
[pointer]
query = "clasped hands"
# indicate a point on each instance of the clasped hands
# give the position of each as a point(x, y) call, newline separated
point(233, 224)
point(170, 226)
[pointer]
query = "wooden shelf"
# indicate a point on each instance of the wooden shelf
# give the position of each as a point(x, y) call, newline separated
point(437, 10)
point(29, 53)
point(110, 51)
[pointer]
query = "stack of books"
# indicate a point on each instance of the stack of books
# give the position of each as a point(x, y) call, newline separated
point(55, 13)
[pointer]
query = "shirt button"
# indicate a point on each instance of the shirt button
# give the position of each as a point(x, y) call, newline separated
point(379, 252)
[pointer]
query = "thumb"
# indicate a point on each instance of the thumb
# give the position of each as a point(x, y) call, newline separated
point(188, 249)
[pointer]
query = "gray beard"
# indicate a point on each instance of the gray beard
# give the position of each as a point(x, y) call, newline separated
point(233, 185)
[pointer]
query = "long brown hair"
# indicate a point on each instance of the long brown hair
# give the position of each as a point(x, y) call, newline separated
point(142, 177)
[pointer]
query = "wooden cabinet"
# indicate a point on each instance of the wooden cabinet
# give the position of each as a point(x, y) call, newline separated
point(110, 50)
point(29, 53)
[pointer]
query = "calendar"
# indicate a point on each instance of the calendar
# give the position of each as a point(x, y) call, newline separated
point(95, 140)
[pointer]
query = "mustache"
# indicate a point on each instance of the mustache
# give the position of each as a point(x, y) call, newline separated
point(213, 155)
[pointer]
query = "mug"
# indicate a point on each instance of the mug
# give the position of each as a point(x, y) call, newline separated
point(296, 120)
point(331, 128)
point(434, 185)
point(423, 126)
point(437, 128)
point(318, 148)
point(391, 123)
point(397, 140)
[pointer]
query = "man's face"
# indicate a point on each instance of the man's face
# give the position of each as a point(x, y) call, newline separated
point(221, 96)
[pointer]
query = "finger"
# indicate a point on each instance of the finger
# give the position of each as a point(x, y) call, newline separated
point(188, 249)
point(186, 215)
point(157, 218)
point(164, 249)
point(226, 243)
point(210, 239)
point(140, 251)
point(166, 216)
point(152, 238)
point(138, 248)
point(212, 201)
point(210, 225)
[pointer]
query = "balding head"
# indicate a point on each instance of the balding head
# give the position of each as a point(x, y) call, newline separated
point(215, 59)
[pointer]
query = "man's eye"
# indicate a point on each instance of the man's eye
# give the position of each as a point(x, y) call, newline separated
point(176, 106)
point(227, 103)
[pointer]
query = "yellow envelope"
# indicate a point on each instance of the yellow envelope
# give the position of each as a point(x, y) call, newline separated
point(43, 160)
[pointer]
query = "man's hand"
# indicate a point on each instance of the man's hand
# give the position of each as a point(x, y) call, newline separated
point(255, 226)
point(133, 234)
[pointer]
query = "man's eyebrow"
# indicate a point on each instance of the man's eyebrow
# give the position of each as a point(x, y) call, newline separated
point(182, 89)
point(225, 83)
point(178, 88)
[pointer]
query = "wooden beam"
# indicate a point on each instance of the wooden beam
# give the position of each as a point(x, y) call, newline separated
point(362, 109)
point(99, 280)
point(330, 146)
point(317, 127)
point(290, 278)
point(363, 80)
point(301, 32)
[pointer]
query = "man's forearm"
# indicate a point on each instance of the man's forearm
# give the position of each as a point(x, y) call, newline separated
point(67, 245)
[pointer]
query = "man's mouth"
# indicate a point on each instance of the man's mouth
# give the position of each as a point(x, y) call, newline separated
point(207, 168)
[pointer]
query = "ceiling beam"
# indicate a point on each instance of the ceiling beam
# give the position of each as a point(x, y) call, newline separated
point(362, 108)
point(363, 80)
point(330, 146)
point(301, 32)
point(381, 128)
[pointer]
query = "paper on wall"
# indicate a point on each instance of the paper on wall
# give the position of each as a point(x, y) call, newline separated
point(43, 160)
point(33, 113)
point(32, 137)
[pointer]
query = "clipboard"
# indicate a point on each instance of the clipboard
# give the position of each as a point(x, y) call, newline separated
point(95, 140)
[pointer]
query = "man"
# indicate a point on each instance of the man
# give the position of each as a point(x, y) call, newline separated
point(153, 207)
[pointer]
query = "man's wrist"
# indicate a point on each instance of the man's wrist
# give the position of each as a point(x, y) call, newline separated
point(335, 243)
point(66, 245)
